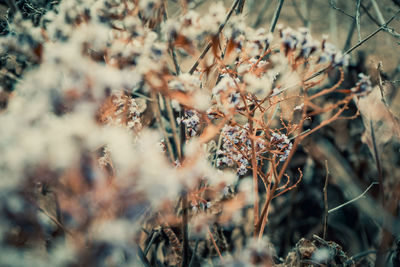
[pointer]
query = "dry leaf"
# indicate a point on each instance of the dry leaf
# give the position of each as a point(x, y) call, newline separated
point(384, 123)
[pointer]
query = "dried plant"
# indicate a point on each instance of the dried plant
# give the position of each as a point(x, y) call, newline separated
point(113, 151)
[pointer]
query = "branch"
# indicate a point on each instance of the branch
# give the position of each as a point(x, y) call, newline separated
point(276, 16)
point(326, 200)
point(358, 19)
point(389, 30)
point(332, 4)
point(373, 33)
point(274, 21)
point(382, 27)
point(221, 27)
point(354, 199)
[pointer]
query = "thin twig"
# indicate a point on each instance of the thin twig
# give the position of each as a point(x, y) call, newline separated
point(333, 23)
point(378, 12)
point(255, 175)
point(354, 199)
point(389, 30)
point(221, 27)
point(332, 4)
point(261, 13)
point(142, 257)
point(316, 74)
point(307, 6)
point(326, 200)
point(358, 2)
point(370, 15)
point(300, 134)
point(171, 47)
point(276, 16)
point(362, 255)
point(160, 123)
point(153, 237)
point(191, 264)
point(56, 221)
point(373, 33)
point(298, 12)
point(347, 44)
point(273, 22)
point(175, 59)
point(214, 243)
point(239, 9)
point(174, 129)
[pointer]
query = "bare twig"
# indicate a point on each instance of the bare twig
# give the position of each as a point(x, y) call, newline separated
point(239, 9)
point(273, 22)
point(175, 59)
point(260, 14)
point(174, 129)
point(333, 23)
point(333, 5)
point(387, 29)
point(170, 112)
point(142, 257)
point(343, 175)
point(160, 123)
point(362, 255)
point(300, 134)
point(299, 14)
point(372, 34)
point(192, 260)
point(255, 177)
point(276, 16)
point(153, 237)
point(347, 44)
point(307, 7)
point(326, 200)
point(354, 199)
point(221, 27)
point(316, 74)
point(378, 12)
point(358, 2)
point(171, 47)
point(214, 243)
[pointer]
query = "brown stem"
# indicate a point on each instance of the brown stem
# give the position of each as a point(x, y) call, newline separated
point(214, 243)
point(255, 177)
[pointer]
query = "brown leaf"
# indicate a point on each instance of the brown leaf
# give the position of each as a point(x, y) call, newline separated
point(386, 125)
point(215, 46)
